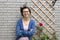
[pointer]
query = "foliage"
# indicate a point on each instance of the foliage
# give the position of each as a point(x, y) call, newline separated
point(40, 35)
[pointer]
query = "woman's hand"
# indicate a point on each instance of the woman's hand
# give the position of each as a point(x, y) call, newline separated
point(31, 30)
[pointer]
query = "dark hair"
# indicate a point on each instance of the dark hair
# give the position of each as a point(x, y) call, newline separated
point(22, 8)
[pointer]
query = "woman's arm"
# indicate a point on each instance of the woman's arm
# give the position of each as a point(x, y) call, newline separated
point(18, 31)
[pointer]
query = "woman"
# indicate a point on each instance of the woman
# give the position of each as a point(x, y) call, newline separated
point(25, 27)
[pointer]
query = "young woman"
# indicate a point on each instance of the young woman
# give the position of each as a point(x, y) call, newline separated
point(25, 27)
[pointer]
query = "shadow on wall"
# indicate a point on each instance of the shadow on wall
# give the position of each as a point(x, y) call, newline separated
point(53, 2)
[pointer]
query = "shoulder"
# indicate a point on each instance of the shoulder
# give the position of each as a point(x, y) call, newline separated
point(32, 21)
point(19, 21)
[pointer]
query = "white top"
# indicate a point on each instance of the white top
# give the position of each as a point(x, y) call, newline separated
point(24, 38)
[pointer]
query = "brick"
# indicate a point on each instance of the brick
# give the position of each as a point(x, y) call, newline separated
point(23, 1)
point(3, 0)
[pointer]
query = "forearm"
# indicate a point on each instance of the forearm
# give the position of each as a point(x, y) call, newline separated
point(29, 33)
point(19, 33)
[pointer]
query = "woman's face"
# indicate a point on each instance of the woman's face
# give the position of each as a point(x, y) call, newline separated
point(26, 12)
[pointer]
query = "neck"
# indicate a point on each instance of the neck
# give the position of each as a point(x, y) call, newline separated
point(26, 19)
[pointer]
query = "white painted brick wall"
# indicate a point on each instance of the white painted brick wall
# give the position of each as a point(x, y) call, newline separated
point(57, 18)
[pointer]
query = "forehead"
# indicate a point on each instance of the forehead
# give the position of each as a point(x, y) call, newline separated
point(26, 9)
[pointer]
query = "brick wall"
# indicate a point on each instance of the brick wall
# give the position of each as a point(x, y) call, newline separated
point(57, 18)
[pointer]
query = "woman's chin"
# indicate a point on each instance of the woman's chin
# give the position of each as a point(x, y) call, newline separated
point(26, 16)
